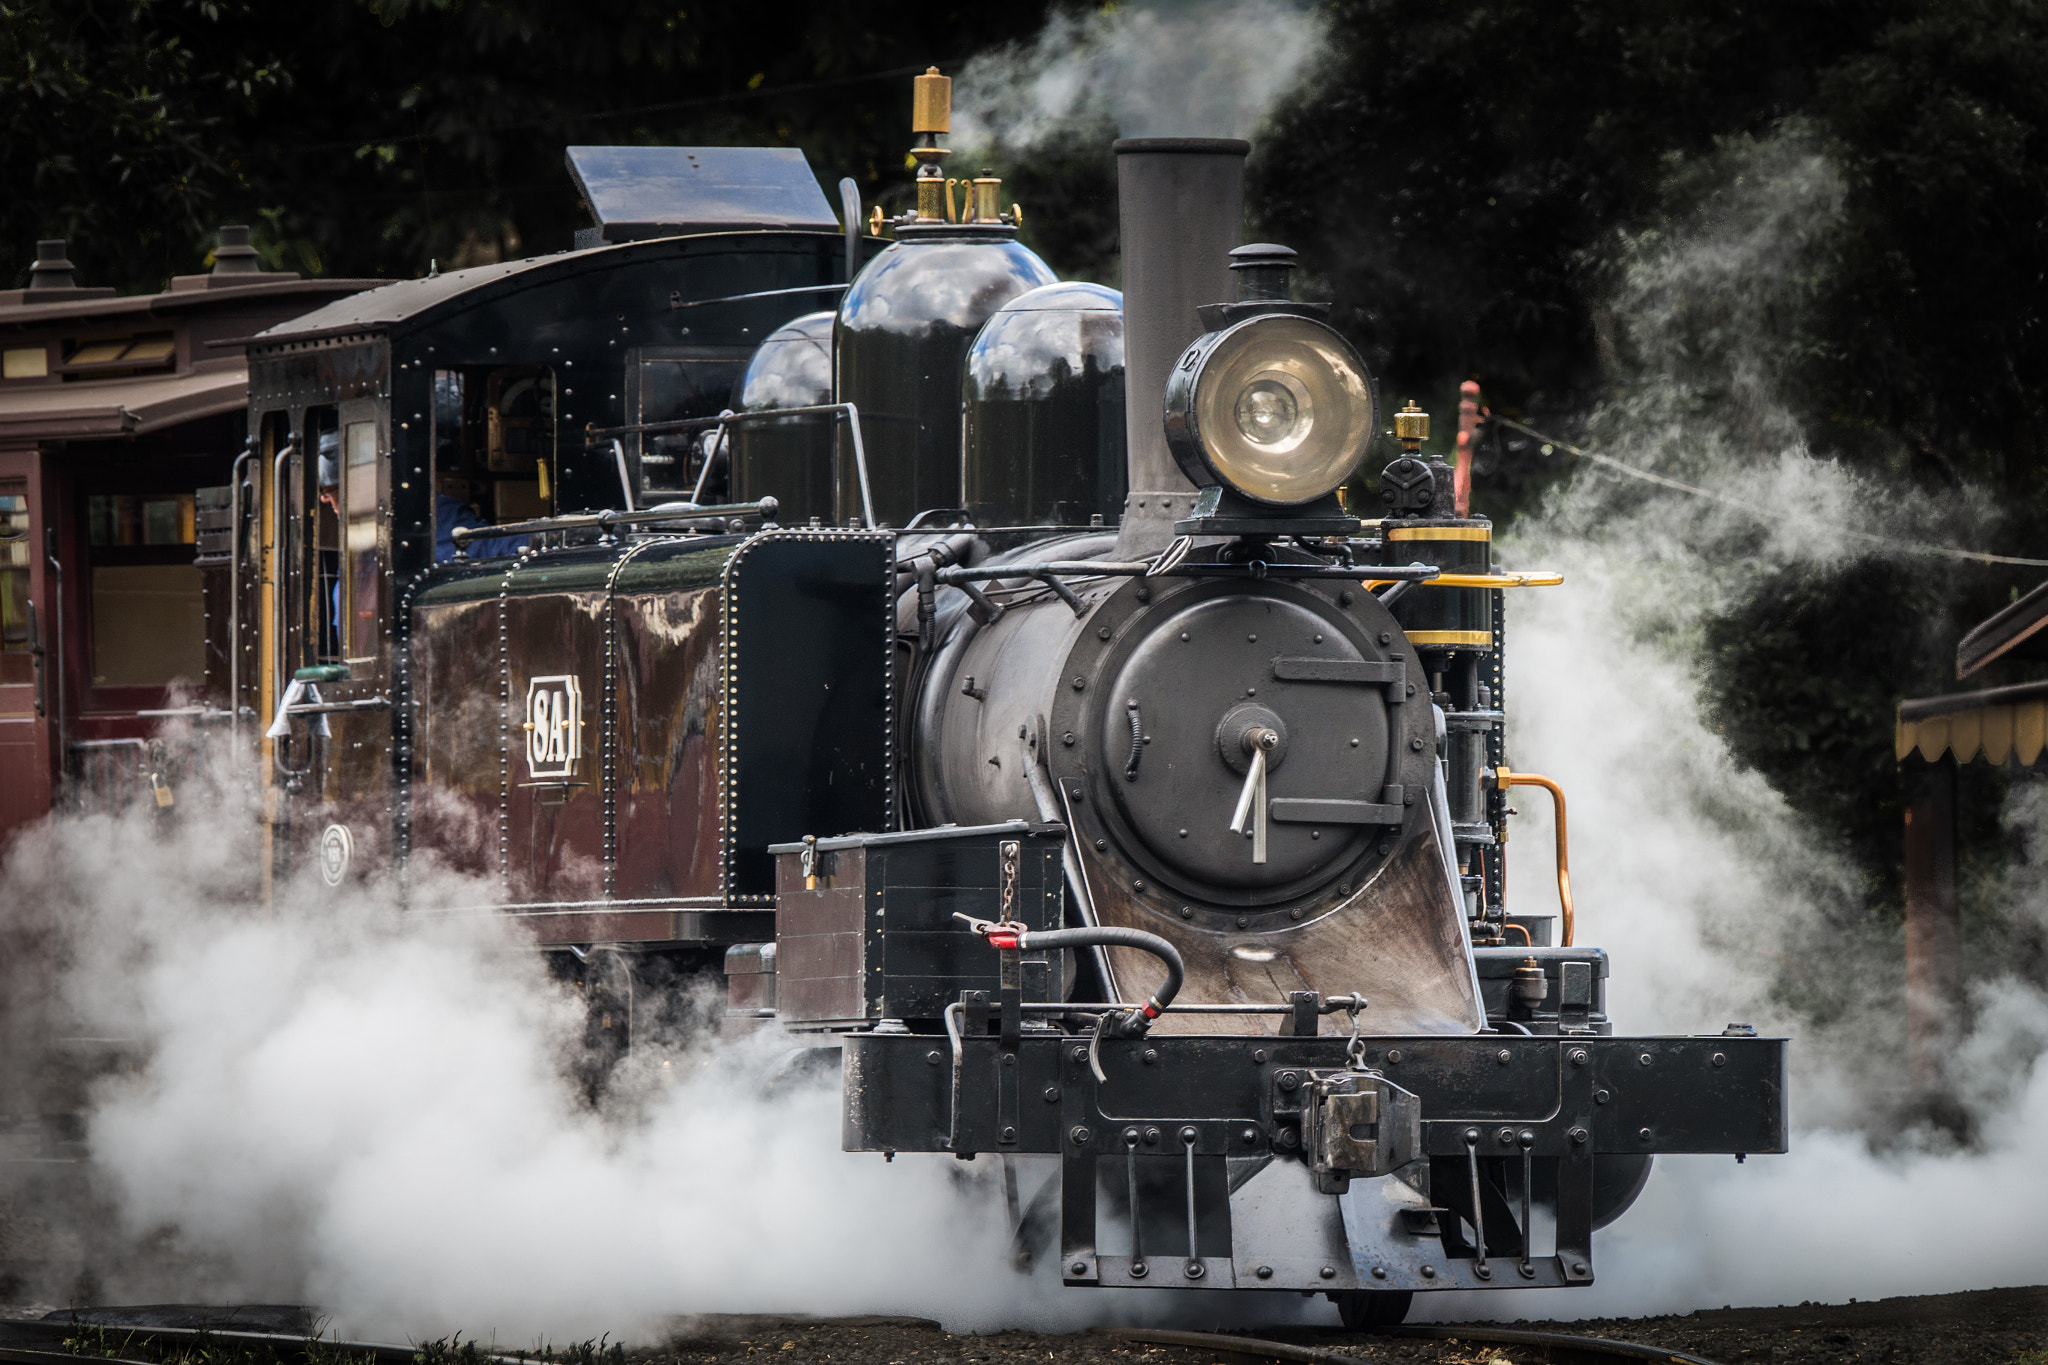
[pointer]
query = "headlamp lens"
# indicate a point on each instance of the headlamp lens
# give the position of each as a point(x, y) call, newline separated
point(1279, 408)
point(1274, 408)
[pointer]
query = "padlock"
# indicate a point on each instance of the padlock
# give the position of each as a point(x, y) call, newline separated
point(162, 790)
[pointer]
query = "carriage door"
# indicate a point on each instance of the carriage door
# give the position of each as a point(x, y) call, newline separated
point(356, 602)
point(28, 679)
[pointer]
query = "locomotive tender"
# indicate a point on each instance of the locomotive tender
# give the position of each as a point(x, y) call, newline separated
point(993, 675)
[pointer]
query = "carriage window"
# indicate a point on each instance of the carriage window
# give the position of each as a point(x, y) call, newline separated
point(519, 442)
point(148, 620)
point(360, 532)
point(494, 448)
point(328, 607)
point(16, 633)
point(668, 386)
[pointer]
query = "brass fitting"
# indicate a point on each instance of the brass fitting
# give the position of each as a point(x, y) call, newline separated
point(931, 113)
point(931, 103)
point(1411, 427)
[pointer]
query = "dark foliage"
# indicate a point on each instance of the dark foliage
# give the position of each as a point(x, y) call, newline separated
point(1468, 162)
point(1451, 181)
point(1801, 687)
point(1939, 315)
point(1449, 178)
point(368, 138)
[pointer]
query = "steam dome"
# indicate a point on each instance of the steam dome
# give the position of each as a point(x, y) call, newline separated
point(788, 459)
point(899, 347)
point(1043, 410)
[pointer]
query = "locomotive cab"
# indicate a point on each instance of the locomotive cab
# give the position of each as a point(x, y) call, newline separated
point(427, 426)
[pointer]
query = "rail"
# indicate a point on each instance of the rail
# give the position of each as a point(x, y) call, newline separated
point(1500, 578)
point(1555, 1345)
point(584, 521)
point(1108, 568)
point(65, 1335)
point(593, 435)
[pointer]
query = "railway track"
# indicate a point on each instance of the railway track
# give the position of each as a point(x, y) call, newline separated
point(1560, 1347)
point(72, 1343)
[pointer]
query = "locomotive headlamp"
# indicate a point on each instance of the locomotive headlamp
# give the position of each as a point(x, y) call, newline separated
point(1277, 408)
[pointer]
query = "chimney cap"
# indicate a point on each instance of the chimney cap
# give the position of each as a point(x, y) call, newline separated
point(234, 255)
point(51, 270)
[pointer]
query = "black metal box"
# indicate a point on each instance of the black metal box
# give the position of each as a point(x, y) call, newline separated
point(865, 929)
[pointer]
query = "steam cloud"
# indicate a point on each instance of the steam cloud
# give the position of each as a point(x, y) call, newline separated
point(1715, 900)
point(1200, 68)
point(379, 1114)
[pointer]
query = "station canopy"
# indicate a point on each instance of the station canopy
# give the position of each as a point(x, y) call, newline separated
point(640, 192)
point(1999, 725)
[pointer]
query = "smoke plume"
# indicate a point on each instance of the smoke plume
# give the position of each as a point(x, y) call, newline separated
point(381, 1113)
point(1718, 900)
point(1196, 68)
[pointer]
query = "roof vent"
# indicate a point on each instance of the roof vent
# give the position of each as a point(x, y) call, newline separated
point(52, 279)
point(235, 266)
point(51, 270)
point(234, 255)
point(640, 192)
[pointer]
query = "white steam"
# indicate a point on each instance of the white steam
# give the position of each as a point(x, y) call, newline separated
point(1167, 68)
point(378, 1114)
point(1711, 893)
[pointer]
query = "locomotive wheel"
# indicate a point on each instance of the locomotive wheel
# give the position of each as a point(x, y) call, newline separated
point(1366, 1308)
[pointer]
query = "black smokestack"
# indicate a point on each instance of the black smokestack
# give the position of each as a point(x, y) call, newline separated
point(1181, 207)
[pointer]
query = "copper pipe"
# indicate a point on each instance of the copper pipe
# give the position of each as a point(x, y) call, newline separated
point(1505, 779)
point(1468, 427)
point(1527, 942)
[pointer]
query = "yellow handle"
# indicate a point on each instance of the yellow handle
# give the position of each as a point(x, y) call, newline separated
point(1504, 779)
point(1535, 578)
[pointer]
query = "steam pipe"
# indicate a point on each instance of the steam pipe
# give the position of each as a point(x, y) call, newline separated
point(1010, 938)
point(849, 204)
point(1504, 779)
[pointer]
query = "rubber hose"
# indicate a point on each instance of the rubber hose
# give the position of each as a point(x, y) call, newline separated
point(1137, 1021)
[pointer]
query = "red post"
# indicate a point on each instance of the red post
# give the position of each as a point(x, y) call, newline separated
point(1468, 428)
point(1933, 975)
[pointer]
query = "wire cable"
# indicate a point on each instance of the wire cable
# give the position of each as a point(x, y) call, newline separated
point(1918, 547)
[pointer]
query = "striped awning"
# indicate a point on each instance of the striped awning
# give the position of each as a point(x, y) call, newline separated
point(2000, 725)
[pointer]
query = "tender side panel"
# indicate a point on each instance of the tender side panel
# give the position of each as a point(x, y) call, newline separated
point(809, 672)
point(555, 808)
point(666, 607)
point(455, 772)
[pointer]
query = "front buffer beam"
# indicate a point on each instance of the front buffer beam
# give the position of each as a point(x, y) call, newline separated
point(1215, 1160)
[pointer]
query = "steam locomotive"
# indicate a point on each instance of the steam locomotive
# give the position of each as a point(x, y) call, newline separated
point(995, 678)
